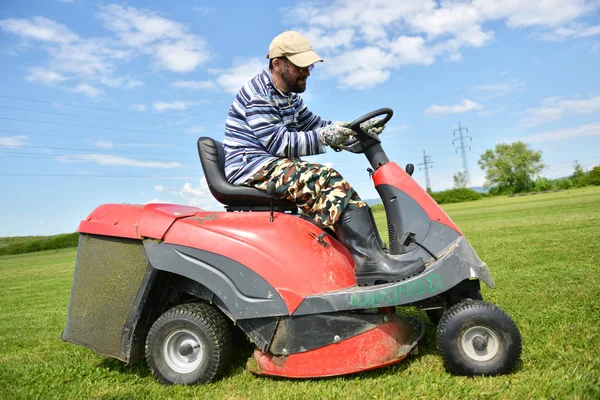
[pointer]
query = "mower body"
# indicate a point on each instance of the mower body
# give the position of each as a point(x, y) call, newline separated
point(285, 282)
point(272, 278)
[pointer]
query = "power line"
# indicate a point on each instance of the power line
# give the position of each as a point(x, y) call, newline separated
point(426, 162)
point(462, 148)
point(92, 108)
point(97, 127)
point(91, 138)
point(84, 116)
point(90, 150)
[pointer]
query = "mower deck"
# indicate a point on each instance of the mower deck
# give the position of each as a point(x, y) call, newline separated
point(387, 344)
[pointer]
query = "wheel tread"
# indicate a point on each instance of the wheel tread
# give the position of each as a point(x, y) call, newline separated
point(217, 326)
point(464, 307)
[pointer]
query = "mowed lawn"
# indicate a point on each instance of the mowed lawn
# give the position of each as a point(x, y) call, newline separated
point(544, 253)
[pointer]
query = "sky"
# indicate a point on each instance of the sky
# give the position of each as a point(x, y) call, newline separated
point(103, 101)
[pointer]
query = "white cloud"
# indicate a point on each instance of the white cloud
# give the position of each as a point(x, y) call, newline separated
point(13, 141)
point(548, 13)
point(195, 130)
point(147, 145)
point(102, 159)
point(39, 28)
point(90, 60)
point(360, 68)
point(174, 105)
point(194, 85)
point(44, 75)
point(592, 129)
point(575, 30)
point(94, 61)
point(554, 108)
point(465, 106)
point(121, 83)
point(488, 91)
point(232, 79)
point(88, 90)
point(159, 201)
point(203, 11)
point(487, 113)
point(168, 42)
point(199, 196)
point(421, 31)
point(104, 144)
point(396, 128)
point(195, 196)
point(412, 50)
point(319, 39)
point(188, 190)
point(140, 107)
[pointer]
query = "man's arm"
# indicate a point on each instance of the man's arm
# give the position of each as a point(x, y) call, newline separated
point(265, 121)
point(307, 120)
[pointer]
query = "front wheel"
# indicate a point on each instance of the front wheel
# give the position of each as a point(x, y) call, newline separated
point(189, 344)
point(436, 314)
point(478, 338)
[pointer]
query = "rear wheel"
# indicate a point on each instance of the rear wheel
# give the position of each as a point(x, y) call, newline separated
point(478, 338)
point(189, 344)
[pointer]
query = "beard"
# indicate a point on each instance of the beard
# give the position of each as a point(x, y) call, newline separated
point(294, 85)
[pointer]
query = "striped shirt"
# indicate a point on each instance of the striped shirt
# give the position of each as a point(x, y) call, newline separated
point(264, 124)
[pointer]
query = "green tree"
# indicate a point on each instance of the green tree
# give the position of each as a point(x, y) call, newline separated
point(594, 176)
point(460, 180)
point(542, 184)
point(510, 168)
point(579, 176)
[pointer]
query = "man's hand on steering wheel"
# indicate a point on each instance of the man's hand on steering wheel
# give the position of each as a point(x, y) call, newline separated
point(370, 126)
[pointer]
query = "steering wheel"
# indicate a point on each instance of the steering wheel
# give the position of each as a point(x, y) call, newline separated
point(363, 139)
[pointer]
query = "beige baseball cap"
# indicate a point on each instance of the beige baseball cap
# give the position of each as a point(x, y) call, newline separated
point(294, 47)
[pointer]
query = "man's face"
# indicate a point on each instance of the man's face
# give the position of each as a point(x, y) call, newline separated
point(293, 77)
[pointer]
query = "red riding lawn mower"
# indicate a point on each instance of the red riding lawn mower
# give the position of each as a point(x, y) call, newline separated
point(171, 283)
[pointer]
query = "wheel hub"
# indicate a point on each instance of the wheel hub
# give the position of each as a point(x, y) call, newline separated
point(480, 343)
point(183, 351)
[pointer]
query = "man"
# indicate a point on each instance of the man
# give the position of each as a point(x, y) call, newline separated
point(269, 128)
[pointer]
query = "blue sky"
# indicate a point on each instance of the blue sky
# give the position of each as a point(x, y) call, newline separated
point(102, 102)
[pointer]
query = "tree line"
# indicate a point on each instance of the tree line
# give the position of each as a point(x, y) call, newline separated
point(515, 168)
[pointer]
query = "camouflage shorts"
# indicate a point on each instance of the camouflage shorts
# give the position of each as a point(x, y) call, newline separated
point(319, 191)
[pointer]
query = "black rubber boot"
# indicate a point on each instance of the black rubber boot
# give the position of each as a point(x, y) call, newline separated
point(379, 239)
point(357, 230)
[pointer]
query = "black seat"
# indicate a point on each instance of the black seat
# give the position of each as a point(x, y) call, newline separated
point(235, 198)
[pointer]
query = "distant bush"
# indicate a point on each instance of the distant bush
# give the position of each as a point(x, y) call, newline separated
point(563, 183)
point(542, 184)
point(378, 207)
point(593, 177)
point(456, 196)
point(39, 243)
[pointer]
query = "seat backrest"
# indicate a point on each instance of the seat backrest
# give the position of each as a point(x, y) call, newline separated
point(212, 158)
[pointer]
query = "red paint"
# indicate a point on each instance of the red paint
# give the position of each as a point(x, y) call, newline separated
point(391, 174)
point(156, 219)
point(282, 252)
point(113, 220)
point(373, 349)
point(134, 221)
point(278, 251)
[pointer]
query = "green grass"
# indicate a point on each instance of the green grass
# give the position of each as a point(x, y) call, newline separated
point(544, 252)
